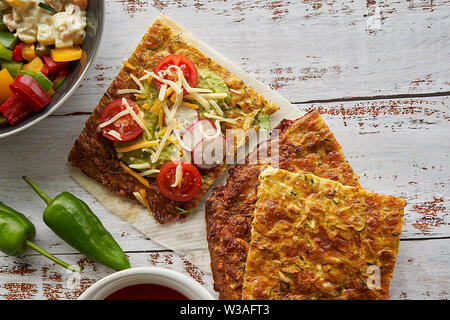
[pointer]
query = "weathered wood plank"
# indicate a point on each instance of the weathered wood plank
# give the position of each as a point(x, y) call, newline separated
point(41, 153)
point(400, 147)
point(306, 50)
point(32, 277)
point(419, 273)
point(309, 50)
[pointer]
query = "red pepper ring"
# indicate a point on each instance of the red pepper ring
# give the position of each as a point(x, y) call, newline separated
point(30, 91)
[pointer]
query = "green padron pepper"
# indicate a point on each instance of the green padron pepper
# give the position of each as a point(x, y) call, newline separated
point(74, 222)
point(16, 233)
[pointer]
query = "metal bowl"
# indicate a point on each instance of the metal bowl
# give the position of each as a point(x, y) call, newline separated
point(94, 30)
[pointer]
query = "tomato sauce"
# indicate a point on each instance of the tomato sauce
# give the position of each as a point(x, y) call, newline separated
point(146, 292)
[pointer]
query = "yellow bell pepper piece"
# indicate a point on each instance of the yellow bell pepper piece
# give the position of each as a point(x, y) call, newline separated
point(66, 54)
point(28, 51)
point(35, 65)
point(16, 3)
point(5, 80)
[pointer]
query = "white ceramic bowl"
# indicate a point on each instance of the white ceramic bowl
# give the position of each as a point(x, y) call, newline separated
point(153, 275)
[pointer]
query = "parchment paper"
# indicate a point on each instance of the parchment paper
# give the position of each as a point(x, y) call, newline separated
point(186, 237)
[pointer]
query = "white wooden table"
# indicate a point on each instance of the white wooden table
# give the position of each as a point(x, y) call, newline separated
point(378, 70)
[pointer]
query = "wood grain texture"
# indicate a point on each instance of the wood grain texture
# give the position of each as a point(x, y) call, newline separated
point(32, 277)
point(399, 147)
point(306, 50)
point(417, 273)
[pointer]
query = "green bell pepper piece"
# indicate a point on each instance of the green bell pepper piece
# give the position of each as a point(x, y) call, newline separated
point(8, 39)
point(13, 67)
point(40, 78)
point(16, 233)
point(58, 82)
point(5, 53)
point(72, 220)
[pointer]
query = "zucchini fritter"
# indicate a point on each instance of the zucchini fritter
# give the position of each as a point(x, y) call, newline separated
point(305, 144)
point(314, 238)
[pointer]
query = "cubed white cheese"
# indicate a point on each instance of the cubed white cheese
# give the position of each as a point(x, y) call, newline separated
point(69, 26)
point(46, 34)
point(8, 20)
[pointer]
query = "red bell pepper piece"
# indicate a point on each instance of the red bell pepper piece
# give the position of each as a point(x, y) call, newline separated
point(17, 52)
point(53, 66)
point(14, 109)
point(30, 91)
point(62, 73)
point(45, 70)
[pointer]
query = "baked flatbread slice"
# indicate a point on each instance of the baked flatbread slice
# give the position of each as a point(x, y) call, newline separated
point(98, 157)
point(305, 144)
point(314, 238)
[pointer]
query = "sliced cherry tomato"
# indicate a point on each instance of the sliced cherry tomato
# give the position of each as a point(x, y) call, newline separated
point(187, 66)
point(191, 181)
point(126, 126)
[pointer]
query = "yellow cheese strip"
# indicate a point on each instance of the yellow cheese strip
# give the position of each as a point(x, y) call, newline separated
point(135, 175)
point(137, 146)
point(143, 194)
point(129, 65)
point(172, 140)
point(158, 102)
point(189, 105)
point(184, 103)
point(160, 118)
point(162, 132)
point(139, 198)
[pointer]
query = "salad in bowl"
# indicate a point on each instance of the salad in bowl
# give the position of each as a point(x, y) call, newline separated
point(39, 41)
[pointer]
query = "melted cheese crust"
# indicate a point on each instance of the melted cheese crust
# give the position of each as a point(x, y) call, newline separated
point(314, 238)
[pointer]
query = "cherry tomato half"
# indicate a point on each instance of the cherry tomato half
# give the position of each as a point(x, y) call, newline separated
point(191, 181)
point(126, 126)
point(187, 66)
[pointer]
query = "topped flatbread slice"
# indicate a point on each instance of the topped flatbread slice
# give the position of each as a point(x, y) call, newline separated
point(314, 238)
point(305, 144)
point(162, 96)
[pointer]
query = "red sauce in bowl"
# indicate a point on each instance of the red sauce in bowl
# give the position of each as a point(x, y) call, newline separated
point(146, 292)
